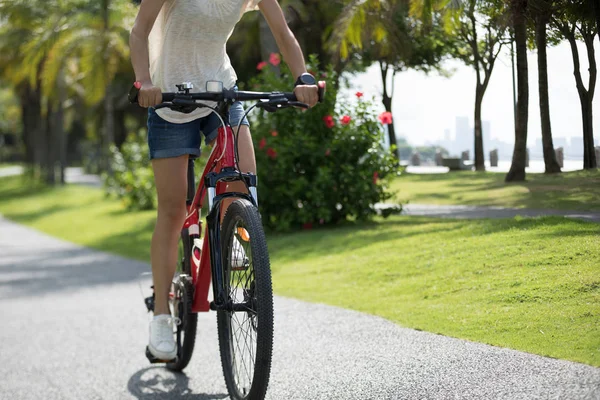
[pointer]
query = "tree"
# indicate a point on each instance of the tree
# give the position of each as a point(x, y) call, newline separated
point(542, 11)
point(385, 33)
point(481, 53)
point(575, 20)
point(518, 10)
point(311, 22)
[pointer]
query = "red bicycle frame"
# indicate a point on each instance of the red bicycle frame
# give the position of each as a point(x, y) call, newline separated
point(222, 156)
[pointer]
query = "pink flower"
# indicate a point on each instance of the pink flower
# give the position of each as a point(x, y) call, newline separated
point(272, 153)
point(307, 225)
point(345, 120)
point(261, 65)
point(262, 143)
point(359, 94)
point(385, 117)
point(275, 59)
point(375, 177)
point(329, 122)
point(324, 75)
point(274, 133)
point(327, 153)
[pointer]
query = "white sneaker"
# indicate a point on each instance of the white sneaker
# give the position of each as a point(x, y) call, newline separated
point(162, 342)
point(239, 261)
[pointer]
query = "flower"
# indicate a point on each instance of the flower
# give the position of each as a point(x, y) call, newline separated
point(307, 225)
point(261, 65)
point(275, 59)
point(272, 153)
point(274, 133)
point(262, 143)
point(324, 75)
point(375, 177)
point(345, 120)
point(327, 153)
point(359, 94)
point(329, 122)
point(385, 117)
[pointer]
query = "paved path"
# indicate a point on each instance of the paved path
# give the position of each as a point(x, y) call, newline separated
point(474, 212)
point(74, 327)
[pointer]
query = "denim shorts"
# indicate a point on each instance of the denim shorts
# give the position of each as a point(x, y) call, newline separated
point(167, 139)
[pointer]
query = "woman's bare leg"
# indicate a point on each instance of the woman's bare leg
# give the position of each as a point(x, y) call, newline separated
point(170, 175)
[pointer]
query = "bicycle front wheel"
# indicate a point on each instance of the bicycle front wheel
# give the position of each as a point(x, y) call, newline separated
point(246, 335)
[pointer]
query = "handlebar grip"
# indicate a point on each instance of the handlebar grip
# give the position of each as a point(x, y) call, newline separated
point(321, 90)
point(321, 86)
point(133, 94)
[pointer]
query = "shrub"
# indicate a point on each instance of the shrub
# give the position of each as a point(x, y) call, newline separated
point(320, 166)
point(131, 178)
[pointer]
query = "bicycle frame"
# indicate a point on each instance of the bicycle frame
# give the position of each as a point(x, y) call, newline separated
point(219, 170)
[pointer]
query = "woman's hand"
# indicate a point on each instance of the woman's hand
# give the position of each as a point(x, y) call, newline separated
point(307, 94)
point(149, 95)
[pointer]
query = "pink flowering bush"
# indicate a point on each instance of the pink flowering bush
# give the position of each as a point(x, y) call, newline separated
point(321, 166)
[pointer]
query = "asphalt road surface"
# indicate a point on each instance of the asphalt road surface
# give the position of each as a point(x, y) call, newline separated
point(73, 326)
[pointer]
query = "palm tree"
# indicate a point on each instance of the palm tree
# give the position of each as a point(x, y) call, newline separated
point(378, 31)
point(542, 10)
point(518, 10)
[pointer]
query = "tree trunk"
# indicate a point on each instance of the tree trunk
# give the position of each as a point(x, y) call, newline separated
point(550, 162)
point(50, 146)
point(517, 168)
point(268, 44)
point(585, 97)
point(479, 155)
point(61, 134)
point(29, 117)
point(589, 153)
point(120, 129)
point(387, 103)
point(109, 126)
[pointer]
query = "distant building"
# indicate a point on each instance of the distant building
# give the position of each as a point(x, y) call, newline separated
point(464, 135)
point(575, 150)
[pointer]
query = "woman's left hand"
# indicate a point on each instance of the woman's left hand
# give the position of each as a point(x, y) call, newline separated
point(307, 94)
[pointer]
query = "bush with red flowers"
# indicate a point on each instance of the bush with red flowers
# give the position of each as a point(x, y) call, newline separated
point(320, 166)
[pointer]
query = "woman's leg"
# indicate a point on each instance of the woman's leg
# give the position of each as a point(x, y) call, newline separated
point(170, 175)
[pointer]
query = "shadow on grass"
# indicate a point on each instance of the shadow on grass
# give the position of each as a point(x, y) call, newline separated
point(323, 242)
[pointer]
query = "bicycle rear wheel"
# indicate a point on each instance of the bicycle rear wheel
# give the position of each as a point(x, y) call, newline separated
point(246, 336)
point(181, 307)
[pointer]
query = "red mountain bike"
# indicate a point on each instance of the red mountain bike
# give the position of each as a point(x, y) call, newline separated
point(233, 254)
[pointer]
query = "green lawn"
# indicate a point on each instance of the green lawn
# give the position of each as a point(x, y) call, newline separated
point(526, 284)
point(579, 190)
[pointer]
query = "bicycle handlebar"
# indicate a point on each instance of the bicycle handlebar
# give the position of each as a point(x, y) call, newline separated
point(189, 99)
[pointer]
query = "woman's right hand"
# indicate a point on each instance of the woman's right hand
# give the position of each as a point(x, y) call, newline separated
point(149, 95)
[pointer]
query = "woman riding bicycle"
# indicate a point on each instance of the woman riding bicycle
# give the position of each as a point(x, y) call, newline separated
point(175, 41)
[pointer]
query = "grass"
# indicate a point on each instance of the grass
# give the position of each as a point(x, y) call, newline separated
point(526, 284)
point(578, 190)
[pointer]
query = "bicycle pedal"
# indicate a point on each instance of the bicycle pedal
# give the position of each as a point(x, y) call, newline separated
point(149, 302)
point(154, 360)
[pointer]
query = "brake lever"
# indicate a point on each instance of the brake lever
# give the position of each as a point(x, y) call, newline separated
point(272, 107)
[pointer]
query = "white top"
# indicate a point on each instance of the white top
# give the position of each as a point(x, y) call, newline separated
point(187, 44)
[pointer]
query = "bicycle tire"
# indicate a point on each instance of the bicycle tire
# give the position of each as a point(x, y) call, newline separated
point(182, 300)
point(257, 291)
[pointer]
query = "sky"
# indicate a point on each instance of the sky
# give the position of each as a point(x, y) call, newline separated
point(424, 106)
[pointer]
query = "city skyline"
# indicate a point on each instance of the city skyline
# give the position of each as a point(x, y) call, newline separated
point(426, 106)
